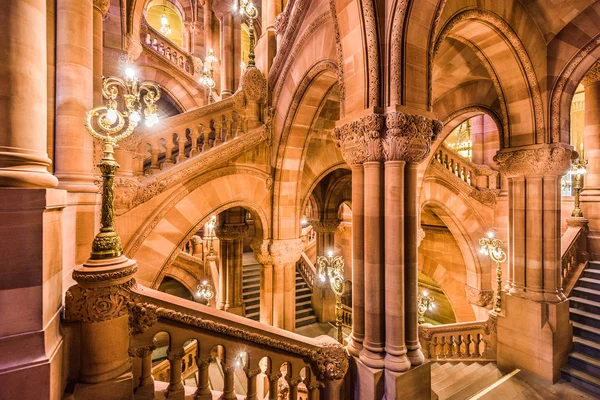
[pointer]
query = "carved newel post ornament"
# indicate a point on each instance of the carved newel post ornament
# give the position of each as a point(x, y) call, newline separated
point(101, 299)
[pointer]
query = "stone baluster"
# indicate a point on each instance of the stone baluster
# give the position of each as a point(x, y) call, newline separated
point(273, 385)
point(181, 139)
point(146, 382)
point(206, 137)
point(227, 125)
point(169, 146)
point(218, 132)
point(194, 136)
point(228, 383)
point(175, 390)
point(251, 374)
point(203, 391)
point(154, 153)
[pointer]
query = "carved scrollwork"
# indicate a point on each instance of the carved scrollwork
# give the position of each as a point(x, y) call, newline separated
point(351, 142)
point(481, 298)
point(97, 304)
point(331, 361)
point(254, 85)
point(105, 276)
point(536, 162)
point(408, 137)
point(231, 231)
point(141, 317)
point(372, 127)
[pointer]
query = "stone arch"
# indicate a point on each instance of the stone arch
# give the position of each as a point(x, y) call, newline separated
point(186, 96)
point(304, 108)
point(155, 244)
point(339, 193)
point(571, 53)
point(466, 225)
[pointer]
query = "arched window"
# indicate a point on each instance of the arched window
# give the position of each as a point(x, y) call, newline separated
point(166, 18)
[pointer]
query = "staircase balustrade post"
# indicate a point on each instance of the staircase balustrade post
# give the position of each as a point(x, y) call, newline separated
point(228, 385)
point(294, 387)
point(314, 390)
point(203, 391)
point(251, 374)
point(273, 385)
point(169, 145)
point(194, 136)
point(175, 390)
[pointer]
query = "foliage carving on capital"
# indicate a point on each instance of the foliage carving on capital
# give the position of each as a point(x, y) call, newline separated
point(97, 304)
point(278, 252)
point(141, 351)
point(331, 361)
point(351, 142)
point(325, 226)
point(372, 131)
point(231, 231)
point(102, 6)
point(536, 162)
point(408, 137)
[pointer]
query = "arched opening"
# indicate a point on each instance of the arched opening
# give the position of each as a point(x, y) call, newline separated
point(175, 288)
point(166, 18)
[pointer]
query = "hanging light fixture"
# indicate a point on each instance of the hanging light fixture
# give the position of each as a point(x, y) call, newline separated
point(165, 28)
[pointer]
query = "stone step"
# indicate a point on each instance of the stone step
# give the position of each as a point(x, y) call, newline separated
point(252, 302)
point(304, 313)
point(303, 298)
point(456, 374)
point(306, 321)
point(589, 283)
point(586, 347)
point(303, 304)
point(471, 383)
point(594, 264)
point(253, 280)
point(488, 378)
point(586, 332)
point(302, 292)
point(591, 273)
point(581, 379)
point(255, 316)
point(585, 305)
point(586, 293)
point(585, 363)
point(440, 377)
point(584, 317)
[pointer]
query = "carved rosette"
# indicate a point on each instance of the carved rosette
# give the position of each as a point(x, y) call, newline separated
point(254, 85)
point(97, 304)
point(408, 137)
point(231, 231)
point(278, 252)
point(535, 162)
point(481, 298)
point(325, 226)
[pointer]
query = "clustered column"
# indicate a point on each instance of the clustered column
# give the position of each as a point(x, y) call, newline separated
point(325, 230)
point(231, 240)
point(384, 152)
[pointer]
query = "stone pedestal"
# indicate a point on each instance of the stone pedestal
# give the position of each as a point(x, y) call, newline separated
point(369, 384)
point(415, 384)
point(534, 336)
point(31, 293)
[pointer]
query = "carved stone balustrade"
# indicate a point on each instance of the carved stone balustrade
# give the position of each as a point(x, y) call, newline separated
point(307, 270)
point(169, 51)
point(574, 252)
point(461, 341)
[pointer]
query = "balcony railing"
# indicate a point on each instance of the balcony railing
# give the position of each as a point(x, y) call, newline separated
point(167, 50)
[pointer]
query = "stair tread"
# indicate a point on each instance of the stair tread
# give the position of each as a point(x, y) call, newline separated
point(579, 325)
point(586, 290)
point(490, 376)
point(593, 271)
point(586, 342)
point(448, 373)
point(585, 358)
point(469, 378)
point(590, 280)
point(585, 301)
point(584, 313)
point(584, 376)
point(455, 375)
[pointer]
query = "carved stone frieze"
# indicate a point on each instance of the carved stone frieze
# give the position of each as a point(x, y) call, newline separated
point(278, 252)
point(534, 162)
point(97, 304)
point(231, 231)
point(325, 226)
point(481, 298)
point(104, 276)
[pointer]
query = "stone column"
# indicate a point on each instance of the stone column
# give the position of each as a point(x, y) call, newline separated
point(175, 390)
point(100, 11)
point(23, 158)
point(266, 45)
point(228, 385)
point(535, 309)
point(358, 273)
point(231, 238)
point(207, 25)
point(325, 234)
point(251, 374)
point(372, 354)
point(226, 55)
point(278, 281)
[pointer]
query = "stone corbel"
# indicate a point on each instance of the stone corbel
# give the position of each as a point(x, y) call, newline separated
point(231, 231)
point(325, 226)
point(480, 298)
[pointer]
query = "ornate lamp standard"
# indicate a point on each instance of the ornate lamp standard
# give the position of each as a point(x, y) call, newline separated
point(331, 269)
point(246, 8)
point(493, 247)
point(578, 171)
point(206, 78)
point(211, 234)
point(206, 291)
point(111, 125)
point(425, 303)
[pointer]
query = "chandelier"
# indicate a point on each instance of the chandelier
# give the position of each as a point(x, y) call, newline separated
point(165, 28)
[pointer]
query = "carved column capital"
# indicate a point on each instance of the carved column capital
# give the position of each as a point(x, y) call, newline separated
point(278, 252)
point(325, 226)
point(142, 351)
point(351, 142)
point(331, 361)
point(102, 6)
point(408, 137)
point(372, 130)
point(174, 355)
point(274, 377)
point(231, 231)
point(593, 75)
point(547, 160)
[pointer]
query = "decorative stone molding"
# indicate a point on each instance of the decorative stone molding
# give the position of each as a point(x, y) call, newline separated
point(278, 252)
point(102, 6)
point(141, 351)
point(427, 331)
point(408, 137)
point(481, 298)
point(330, 362)
point(133, 46)
point(175, 355)
point(314, 385)
point(204, 362)
point(141, 318)
point(372, 127)
point(86, 277)
point(254, 85)
point(274, 377)
point(351, 143)
point(231, 231)
point(325, 226)
point(251, 373)
point(593, 75)
point(97, 304)
point(535, 162)
point(486, 197)
point(281, 21)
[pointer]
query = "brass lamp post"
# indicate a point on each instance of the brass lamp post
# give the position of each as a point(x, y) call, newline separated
point(425, 303)
point(206, 291)
point(246, 8)
point(206, 78)
point(578, 171)
point(110, 124)
point(331, 269)
point(491, 246)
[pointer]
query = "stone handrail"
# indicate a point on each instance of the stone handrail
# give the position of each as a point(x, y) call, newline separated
point(307, 270)
point(243, 343)
point(574, 255)
point(157, 43)
point(460, 341)
point(162, 370)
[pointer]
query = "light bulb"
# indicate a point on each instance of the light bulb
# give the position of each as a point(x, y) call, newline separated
point(111, 116)
point(130, 73)
point(149, 123)
point(135, 116)
point(164, 20)
point(491, 234)
point(322, 277)
point(330, 253)
point(425, 293)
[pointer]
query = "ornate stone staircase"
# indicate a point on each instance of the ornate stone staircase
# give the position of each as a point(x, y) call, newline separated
point(305, 314)
point(461, 380)
point(583, 369)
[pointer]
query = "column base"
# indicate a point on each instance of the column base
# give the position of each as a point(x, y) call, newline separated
point(534, 336)
point(354, 346)
point(368, 383)
point(372, 359)
point(415, 384)
point(120, 388)
point(397, 363)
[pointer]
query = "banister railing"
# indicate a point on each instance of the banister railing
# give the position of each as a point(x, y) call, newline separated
point(460, 341)
point(477, 176)
point(574, 255)
point(169, 51)
point(242, 344)
point(307, 270)
point(346, 316)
